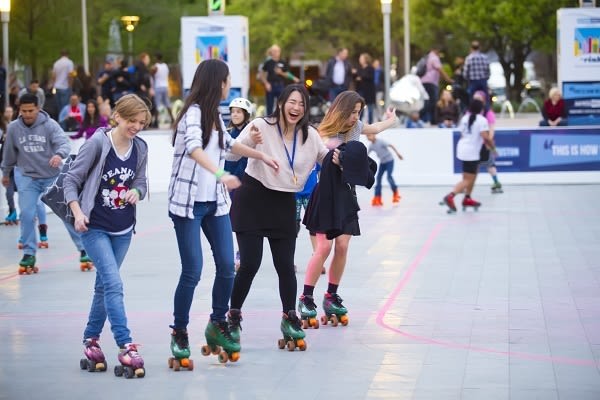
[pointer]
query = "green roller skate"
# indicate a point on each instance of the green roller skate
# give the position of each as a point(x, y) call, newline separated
point(335, 312)
point(85, 262)
point(293, 335)
point(234, 319)
point(180, 347)
point(219, 342)
point(497, 188)
point(308, 312)
point(27, 265)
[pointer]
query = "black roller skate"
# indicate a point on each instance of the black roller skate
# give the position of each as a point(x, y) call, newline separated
point(95, 360)
point(131, 363)
point(234, 319)
point(43, 243)
point(335, 312)
point(180, 347)
point(293, 335)
point(219, 342)
point(27, 265)
point(308, 312)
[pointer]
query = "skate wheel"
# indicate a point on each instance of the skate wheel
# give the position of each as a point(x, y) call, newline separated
point(184, 362)
point(281, 344)
point(118, 370)
point(128, 372)
point(291, 346)
point(22, 270)
point(176, 365)
point(205, 350)
point(102, 367)
point(83, 363)
point(334, 320)
point(170, 362)
point(36, 270)
point(140, 372)
point(304, 324)
point(324, 320)
point(190, 366)
point(223, 357)
point(234, 357)
point(314, 323)
point(215, 350)
point(344, 320)
point(301, 343)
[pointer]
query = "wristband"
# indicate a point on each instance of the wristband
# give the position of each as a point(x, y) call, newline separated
point(220, 173)
point(138, 192)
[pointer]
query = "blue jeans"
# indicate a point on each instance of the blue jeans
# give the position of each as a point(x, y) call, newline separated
point(62, 98)
point(107, 251)
point(388, 168)
point(475, 85)
point(218, 232)
point(272, 97)
point(30, 189)
point(335, 90)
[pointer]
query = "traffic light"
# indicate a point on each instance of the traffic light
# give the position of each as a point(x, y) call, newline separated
point(216, 7)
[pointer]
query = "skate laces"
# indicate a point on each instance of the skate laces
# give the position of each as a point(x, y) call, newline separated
point(335, 299)
point(91, 342)
point(235, 318)
point(309, 302)
point(224, 328)
point(181, 338)
point(131, 350)
point(293, 319)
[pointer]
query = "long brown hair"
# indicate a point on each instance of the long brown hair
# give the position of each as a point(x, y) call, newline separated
point(339, 112)
point(206, 91)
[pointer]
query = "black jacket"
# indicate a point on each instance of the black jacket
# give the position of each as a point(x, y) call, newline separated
point(333, 203)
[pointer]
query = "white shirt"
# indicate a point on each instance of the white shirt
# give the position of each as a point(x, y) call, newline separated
point(161, 76)
point(62, 68)
point(339, 73)
point(470, 141)
point(207, 181)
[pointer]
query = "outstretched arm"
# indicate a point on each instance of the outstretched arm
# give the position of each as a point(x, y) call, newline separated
point(381, 126)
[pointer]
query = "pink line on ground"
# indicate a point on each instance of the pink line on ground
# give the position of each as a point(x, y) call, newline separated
point(380, 318)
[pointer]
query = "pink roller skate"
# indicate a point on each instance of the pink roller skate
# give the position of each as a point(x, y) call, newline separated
point(132, 364)
point(95, 360)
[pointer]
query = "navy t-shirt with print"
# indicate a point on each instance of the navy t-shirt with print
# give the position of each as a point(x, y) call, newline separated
point(111, 213)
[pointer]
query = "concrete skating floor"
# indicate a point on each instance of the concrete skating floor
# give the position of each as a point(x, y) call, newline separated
point(499, 304)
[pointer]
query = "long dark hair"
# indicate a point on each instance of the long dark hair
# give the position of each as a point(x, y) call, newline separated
point(89, 120)
point(283, 98)
point(475, 108)
point(206, 91)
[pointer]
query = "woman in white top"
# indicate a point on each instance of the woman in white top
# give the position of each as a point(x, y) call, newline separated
point(265, 205)
point(198, 198)
point(474, 132)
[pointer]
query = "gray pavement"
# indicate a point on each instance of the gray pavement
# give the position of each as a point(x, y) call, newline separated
point(499, 304)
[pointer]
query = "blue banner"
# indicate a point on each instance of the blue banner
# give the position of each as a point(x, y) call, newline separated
point(544, 149)
point(582, 101)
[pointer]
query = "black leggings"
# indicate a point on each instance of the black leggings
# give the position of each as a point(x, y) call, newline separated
point(251, 252)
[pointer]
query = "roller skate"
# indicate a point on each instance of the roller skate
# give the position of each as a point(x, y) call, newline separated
point(20, 244)
point(469, 202)
point(376, 201)
point(497, 188)
point(219, 342)
point(234, 319)
point(95, 360)
point(11, 218)
point(293, 335)
point(308, 312)
point(132, 364)
point(85, 262)
point(43, 243)
point(180, 347)
point(335, 312)
point(448, 201)
point(27, 265)
point(396, 197)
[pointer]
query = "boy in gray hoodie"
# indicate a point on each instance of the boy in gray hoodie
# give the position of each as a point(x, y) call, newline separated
point(36, 144)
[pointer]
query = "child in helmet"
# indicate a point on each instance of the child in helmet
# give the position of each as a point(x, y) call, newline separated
point(241, 110)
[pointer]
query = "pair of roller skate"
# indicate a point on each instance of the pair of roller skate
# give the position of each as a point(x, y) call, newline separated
point(378, 202)
point(43, 243)
point(334, 311)
point(131, 363)
point(467, 202)
point(27, 264)
point(220, 342)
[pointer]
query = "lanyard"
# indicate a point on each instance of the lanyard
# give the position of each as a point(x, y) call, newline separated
point(290, 159)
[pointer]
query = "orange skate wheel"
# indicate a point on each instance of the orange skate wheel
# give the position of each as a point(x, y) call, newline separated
point(281, 344)
point(22, 270)
point(234, 357)
point(301, 344)
point(344, 320)
point(205, 350)
point(223, 357)
point(314, 323)
point(185, 362)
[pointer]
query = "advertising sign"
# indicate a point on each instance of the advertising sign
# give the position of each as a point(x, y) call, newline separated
point(555, 149)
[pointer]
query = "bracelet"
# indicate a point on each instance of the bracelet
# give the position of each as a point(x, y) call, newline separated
point(220, 173)
point(138, 192)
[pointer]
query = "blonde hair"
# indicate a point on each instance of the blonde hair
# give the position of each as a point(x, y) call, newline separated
point(554, 91)
point(339, 112)
point(131, 105)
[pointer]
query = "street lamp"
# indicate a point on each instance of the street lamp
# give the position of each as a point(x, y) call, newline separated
point(130, 22)
point(5, 11)
point(386, 10)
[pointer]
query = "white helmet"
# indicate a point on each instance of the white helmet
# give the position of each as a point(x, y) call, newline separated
point(242, 103)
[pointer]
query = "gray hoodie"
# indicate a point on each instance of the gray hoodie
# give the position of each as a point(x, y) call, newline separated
point(31, 147)
point(82, 181)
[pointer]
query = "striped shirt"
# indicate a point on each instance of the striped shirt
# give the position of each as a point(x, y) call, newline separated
point(187, 175)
